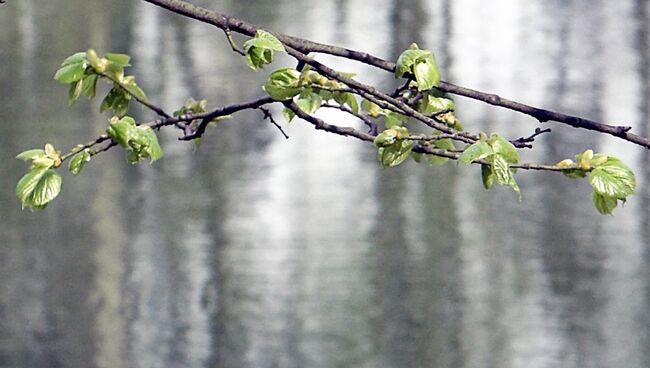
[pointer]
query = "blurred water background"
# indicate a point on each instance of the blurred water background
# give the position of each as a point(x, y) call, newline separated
point(256, 251)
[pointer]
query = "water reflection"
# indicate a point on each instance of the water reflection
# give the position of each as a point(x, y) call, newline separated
point(264, 252)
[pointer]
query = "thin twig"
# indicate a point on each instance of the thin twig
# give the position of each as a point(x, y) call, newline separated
point(110, 145)
point(304, 47)
point(232, 43)
point(372, 125)
point(322, 125)
point(150, 106)
point(206, 118)
point(267, 115)
point(77, 149)
point(531, 138)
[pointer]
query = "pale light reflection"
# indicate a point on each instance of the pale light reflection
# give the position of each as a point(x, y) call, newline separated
point(168, 320)
point(621, 102)
point(294, 242)
point(505, 322)
point(28, 46)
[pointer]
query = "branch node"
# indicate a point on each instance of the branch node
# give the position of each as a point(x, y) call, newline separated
point(232, 43)
point(267, 115)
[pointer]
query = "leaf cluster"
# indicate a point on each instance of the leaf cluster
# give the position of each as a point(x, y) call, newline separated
point(139, 141)
point(421, 64)
point(611, 180)
point(496, 154)
point(261, 49)
point(41, 184)
point(82, 70)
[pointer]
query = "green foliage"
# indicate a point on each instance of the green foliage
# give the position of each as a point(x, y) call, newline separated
point(445, 144)
point(605, 205)
point(82, 70)
point(313, 91)
point(392, 119)
point(308, 101)
point(396, 153)
point(283, 84)
point(611, 180)
point(434, 101)
point(475, 152)
point(498, 154)
point(393, 147)
point(421, 64)
point(38, 188)
point(261, 49)
point(139, 141)
point(78, 161)
point(41, 184)
point(371, 108)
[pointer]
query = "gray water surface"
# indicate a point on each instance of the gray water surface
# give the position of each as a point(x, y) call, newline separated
point(256, 251)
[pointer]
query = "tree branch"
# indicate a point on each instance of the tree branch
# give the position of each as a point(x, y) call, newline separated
point(299, 48)
point(206, 118)
point(158, 110)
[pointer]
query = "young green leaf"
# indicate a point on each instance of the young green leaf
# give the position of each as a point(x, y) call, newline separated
point(78, 161)
point(427, 74)
point(476, 151)
point(152, 147)
point(503, 174)
point(27, 184)
point(446, 144)
point(504, 148)
point(613, 179)
point(260, 49)
point(136, 91)
point(121, 60)
point(487, 176)
point(310, 103)
point(604, 203)
point(89, 85)
point(107, 102)
point(122, 130)
point(75, 91)
point(371, 108)
point(395, 154)
point(31, 154)
point(422, 64)
point(283, 84)
point(501, 169)
point(430, 104)
point(386, 138)
point(121, 103)
point(38, 187)
point(288, 114)
point(351, 101)
point(77, 58)
point(393, 119)
point(406, 60)
point(70, 73)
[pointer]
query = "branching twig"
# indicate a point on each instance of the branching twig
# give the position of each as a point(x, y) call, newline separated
point(372, 125)
point(267, 115)
point(158, 110)
point(206, 118)
point(232, 43)
point(302, 47)
point(530, 138)
point(98, 140)
point(106, 148)
point(322, 125)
